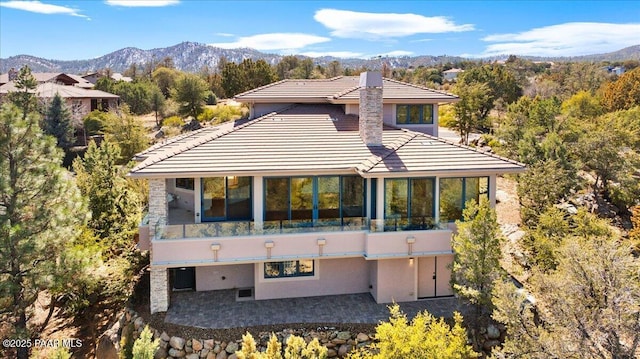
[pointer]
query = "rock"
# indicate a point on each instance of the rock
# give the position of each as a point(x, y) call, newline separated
point(163, 344)
point(222, 355)
point(232, 356)
point(343, 350)
point(217, 349)
point(138, 323)
point(204, 353)
point(231, 348)
point(177, 353)
point(192, 356)
point(192, 126)
point(332, 353)
point(344, 335)
point(339, 341)
point(493, 332)
point(361, 337)
point(106, 349)
point(208, 344)
point(211, 355)
point(159, 135)
point(161, 353)
point(196, 345)
point(164, 336)
point(177, 343)
point(489, 344)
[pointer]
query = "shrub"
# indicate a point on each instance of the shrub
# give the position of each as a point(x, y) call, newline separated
point(446, 116)
point(207, 115)
point(145, 347)
point(173, 121)
point(95, 122)
point(211, 98)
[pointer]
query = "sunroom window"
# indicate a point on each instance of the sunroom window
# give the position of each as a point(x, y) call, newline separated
point(414, 114)
point(455, 192)
point(226, 198)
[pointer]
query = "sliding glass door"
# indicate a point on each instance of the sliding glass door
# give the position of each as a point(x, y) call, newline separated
point(226, 199)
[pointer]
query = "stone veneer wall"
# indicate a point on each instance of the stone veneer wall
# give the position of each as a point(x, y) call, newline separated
point(370, 111)
point(158, 213)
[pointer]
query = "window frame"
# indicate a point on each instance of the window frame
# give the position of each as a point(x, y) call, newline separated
point(297, 274)
point(190, 183)
point(421, 112)
point(409, 181)
point(463, 194)
point(226, 217)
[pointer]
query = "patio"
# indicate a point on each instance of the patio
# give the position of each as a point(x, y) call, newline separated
point(220, 310)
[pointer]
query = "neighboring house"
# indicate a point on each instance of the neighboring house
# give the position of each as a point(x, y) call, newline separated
point(332, 186)
point(93, 77)
point(77, 92)
point(451, 75)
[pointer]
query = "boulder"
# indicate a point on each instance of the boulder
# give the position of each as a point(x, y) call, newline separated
point(332, 353)
point(231, 348)
point(222, 355)
point(106, 349)
point(489, 344)
point(161, 353)
point(493, 332)
point(196, 345)
point(164, 336)
point(343, 350)
point(177, 353)
point(192, 356)
point(177, 343)
point(208, 344)
point(232, 356)
point(344, 335)
point(204, 353)
point(361, 337)
point(138, 323)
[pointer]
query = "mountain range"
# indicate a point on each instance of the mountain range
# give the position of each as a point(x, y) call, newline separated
point(192, 57)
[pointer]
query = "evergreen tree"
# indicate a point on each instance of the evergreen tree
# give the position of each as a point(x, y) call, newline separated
point(40, 207)
point(145, 347)
point(477, 247)
point(190, 93)
point(24, 98)
point(57, 122)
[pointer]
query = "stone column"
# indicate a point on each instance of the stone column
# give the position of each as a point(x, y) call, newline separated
point(159, 291)
point(370, 108)
point(158, 205)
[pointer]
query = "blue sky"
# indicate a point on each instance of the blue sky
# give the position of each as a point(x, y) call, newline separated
point(73, 30)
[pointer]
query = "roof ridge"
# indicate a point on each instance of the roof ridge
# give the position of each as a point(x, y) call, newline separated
point(345, 91)
point(420, 87)
point(260, 88)
point(374, 160)
point(490, 154)
point(200, 141)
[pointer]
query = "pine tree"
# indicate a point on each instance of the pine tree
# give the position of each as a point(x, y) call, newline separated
point(57, 122)
point(40, 207)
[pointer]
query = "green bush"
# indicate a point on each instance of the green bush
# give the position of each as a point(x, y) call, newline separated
point(446, 116)
point(95, 122)
point(173, 121)
point(145, 347)
point(211, 98)
point(207, 115)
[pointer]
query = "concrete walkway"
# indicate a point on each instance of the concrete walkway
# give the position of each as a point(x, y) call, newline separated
point(220, 310)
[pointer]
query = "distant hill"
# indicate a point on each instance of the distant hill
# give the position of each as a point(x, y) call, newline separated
point(191, 57)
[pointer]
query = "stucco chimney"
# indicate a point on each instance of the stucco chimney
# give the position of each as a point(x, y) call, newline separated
point(371, 108)
point(13, 74)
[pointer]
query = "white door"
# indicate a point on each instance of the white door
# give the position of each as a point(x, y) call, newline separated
point(426, 277)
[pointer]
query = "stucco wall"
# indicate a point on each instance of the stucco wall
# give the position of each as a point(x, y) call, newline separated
point(396, 280)
point(332, 276)
point(224, 277)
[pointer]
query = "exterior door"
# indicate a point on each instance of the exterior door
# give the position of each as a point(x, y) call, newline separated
point(443, 275)
point(434, 274)
point(426, 277)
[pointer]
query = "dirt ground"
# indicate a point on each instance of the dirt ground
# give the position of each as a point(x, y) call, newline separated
point(508, 205)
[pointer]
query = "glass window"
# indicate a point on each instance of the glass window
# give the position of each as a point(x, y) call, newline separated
point(276, 199)
point(301, 268)
point(414, 114)
point(328, 197)
point(213, 197)
point(396, 198)
point(455, 192)
point(184, 183)
point(422, 200)
point(226, 198)
point(238, 198)
point(353, 196)
point(302, 198)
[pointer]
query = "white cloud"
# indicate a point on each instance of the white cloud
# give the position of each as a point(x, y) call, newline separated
point(41, 8)
point(568, 39)
point(340, 54)
point(352, 24)
point(224, 34)
point(142, 3)
point(397, 53)
point(274, 41)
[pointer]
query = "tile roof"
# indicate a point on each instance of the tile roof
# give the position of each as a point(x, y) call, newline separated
point(341, 89)
point(308, 138)
point(49, 89)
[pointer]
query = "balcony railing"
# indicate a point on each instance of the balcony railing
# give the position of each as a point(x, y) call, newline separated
point(250, 228)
